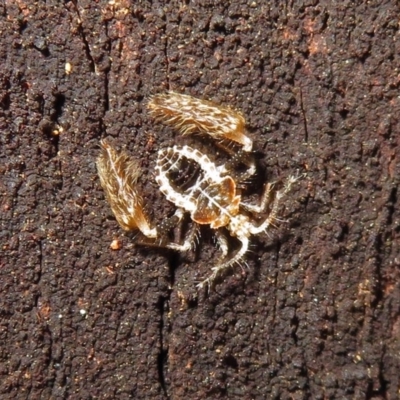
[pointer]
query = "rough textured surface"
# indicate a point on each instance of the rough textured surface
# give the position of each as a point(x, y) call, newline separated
point(318, 313)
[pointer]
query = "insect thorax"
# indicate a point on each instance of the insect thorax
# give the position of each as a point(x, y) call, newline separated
point(191, 181)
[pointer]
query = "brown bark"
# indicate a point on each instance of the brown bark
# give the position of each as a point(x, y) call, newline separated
point(317, 315)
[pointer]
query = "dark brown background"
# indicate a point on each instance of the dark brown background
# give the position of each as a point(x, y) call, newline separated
point(317, 316)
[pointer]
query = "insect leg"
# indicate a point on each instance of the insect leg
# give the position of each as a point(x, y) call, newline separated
point(223, 243)
point(161, 239)
point(272, 216)
point(224, 265)
point(265, 201)
point(237, 159)
point(189, 242)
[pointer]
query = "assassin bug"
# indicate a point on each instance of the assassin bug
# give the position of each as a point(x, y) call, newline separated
point(210, 194)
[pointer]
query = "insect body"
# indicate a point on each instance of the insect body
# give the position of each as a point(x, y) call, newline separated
point(209, 193)
point(210, 199)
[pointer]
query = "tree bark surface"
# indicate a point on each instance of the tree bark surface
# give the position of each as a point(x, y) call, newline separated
point(316, 315)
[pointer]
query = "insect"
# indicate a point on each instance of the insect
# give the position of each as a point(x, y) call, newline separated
point(210, 193)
